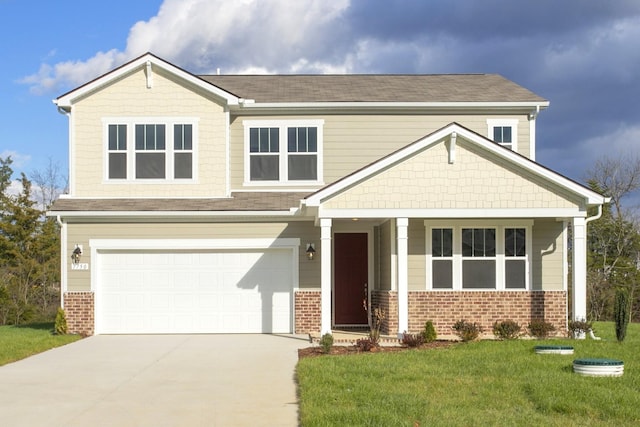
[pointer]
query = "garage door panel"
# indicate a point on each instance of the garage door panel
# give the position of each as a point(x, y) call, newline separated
point(200, 292)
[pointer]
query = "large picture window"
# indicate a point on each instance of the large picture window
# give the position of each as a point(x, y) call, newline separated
point(477, 257)
point(283, 151)
point(160, 150)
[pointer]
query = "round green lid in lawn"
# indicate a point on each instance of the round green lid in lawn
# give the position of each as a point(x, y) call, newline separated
point(598, 362)
point(554, 347)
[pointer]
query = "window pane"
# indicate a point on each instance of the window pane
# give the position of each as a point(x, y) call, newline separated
point(442, 274)
point(302, 140)
point(292, 140)
point(264, 168)
point(150, 137)
point(122, 137)
point(160, 137)
point(447, 242)
point(183, 166)
point(436, 242)
point(302, 167)
point(467, 242)
point(515, 271)
point(312, 142)
point(150, 165)
point(254, 140)
point(117, 165)
point(113, 137)
point(478, 274)
point(264, 140)
point(506, 134)
point(478, 242)
point(489, 242)
point(188, 137)
point(139, 137)
point(178, 138)
point(274, 140)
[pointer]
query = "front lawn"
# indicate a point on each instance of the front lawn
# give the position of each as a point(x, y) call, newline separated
point(474, 384)
point(18, 342)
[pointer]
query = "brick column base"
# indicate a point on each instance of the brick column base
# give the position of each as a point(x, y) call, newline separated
point(387, 301)
point(307, 311)
point(79, 308)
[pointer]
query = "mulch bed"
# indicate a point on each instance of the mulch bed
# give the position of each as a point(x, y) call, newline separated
point(352, 349)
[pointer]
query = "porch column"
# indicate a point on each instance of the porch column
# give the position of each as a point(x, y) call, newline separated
point(325, 275)
point(403, 276)
point(579, 273)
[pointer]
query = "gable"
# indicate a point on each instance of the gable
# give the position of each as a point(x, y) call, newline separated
point(455, 168)
point(475, 180)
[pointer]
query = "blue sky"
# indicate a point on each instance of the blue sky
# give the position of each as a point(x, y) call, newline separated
point(582, 55)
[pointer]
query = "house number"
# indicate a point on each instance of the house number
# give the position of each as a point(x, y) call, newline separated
point(80, 266)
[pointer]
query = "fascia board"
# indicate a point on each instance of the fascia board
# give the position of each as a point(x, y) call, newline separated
point(171, 214)
point(393, 105)
point(452, 213)
point(66, 100)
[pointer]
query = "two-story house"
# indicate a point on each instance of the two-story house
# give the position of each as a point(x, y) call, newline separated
point(299, 203)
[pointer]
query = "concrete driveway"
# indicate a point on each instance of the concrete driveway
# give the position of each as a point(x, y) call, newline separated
point(156, 380)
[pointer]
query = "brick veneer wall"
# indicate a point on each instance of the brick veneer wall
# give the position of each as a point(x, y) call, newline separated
point(307, 311)
point(444, 308)
point(78, 307)
point(388, 301)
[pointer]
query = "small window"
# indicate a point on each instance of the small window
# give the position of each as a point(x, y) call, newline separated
point(183, 151)
point(442, 258)
point(150, 152)
point(504, 132)
point(283, 152)
point(478, 258)
point(117, 152)
point(515, 258)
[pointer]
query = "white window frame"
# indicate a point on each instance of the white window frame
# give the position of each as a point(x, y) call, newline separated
point(500, 226)
point(512, 123)
point(283, 151)
point(169, 151)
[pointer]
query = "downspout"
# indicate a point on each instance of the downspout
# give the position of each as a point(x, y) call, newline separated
point(586, 222)
point(63, 259)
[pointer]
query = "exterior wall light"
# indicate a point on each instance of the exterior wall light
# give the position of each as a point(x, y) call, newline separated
point(311, 251)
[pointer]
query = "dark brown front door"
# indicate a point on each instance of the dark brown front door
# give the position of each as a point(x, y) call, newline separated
point(351, 276)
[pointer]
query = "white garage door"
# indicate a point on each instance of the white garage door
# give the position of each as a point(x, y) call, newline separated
point(226, 291)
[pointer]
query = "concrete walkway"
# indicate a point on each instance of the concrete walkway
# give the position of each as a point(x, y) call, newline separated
point(156, 380)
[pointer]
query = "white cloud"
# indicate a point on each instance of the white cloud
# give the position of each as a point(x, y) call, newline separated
point(202, 35)
point(19, 160)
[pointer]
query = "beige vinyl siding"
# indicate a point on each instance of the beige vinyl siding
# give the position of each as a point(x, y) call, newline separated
point(168, 98)
point(383, 281)
point(354, 141)
point(547, 262)
point(417, 257)
point(80, 280)
point(474, 181)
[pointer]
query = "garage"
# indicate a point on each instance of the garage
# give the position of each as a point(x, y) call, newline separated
point(194, 291)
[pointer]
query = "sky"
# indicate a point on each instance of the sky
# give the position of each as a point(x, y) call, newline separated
point(581, 55)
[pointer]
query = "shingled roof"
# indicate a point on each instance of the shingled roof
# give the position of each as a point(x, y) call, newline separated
point(249, 201)
point(374, 88)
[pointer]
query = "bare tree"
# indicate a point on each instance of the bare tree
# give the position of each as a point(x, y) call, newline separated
point(49, 184)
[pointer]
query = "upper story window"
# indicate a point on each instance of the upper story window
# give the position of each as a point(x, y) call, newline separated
point(283, 152)
point(161, 149)
point(504, 132)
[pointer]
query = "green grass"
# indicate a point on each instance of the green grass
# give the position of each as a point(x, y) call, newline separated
point(18, 342)
point(486, 383)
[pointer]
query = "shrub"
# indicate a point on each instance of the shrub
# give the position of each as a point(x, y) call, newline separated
point(60, 326)
point(621, 313)
point(467, 331)
point(540, 329)
point(579, 327)
point(507, 329)
point(326, 342)
point(412, 340)
point(366, 344)
point(429, 332)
